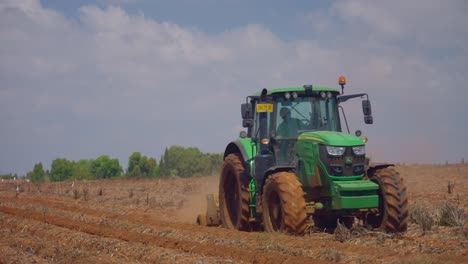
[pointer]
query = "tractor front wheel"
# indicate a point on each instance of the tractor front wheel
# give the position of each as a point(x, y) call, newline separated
point(393, 210)
point(283, 204)
point(234, 195)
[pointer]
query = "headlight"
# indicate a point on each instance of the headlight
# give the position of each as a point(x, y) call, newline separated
point(359, 150)
point(335, 151)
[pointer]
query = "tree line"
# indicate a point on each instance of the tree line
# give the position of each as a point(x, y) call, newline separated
point(9, 176)
point(177, 161)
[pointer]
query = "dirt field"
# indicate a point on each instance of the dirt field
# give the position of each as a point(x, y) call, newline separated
point(152, 221)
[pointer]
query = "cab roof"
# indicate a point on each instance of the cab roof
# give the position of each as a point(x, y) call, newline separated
point(298, 89)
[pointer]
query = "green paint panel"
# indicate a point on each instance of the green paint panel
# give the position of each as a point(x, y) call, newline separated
point(253, 193)
point(248, 145)
point(307, 150)
point(345, 179)
point(308, 154)
point(354, 195)
point(355, 186)
point(332, 138)
point(250, 149)
point(355, 202)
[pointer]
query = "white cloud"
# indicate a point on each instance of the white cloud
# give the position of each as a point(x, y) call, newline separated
point(117, 2)
point(157, 83)
point(429, 23)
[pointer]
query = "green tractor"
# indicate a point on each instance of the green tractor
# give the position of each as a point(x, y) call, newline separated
point(294, 164)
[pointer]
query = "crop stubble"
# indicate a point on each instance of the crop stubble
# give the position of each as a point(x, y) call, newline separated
point(151, 225)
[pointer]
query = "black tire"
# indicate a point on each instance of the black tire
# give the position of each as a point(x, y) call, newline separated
point(283, 204)
point(234, 194)
point(393, 202)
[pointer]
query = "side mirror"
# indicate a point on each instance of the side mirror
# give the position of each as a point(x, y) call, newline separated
point(247, 122)
point(368, 119)
point(366, 108)
point(247, 111)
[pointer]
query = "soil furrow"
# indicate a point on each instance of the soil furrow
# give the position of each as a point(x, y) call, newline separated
point(23, 238)
point(159, 241)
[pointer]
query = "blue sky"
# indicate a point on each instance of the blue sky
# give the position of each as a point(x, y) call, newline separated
point(83, 78)
point(211, 16)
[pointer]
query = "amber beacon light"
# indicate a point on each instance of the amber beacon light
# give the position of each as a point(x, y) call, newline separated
point(342, 82)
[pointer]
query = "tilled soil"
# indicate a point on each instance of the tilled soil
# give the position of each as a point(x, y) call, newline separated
point(152, 221)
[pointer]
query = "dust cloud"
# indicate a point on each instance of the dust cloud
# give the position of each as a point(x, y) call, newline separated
point(195, 203)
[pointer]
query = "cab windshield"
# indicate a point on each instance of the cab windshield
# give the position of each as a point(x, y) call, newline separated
point(303, 114)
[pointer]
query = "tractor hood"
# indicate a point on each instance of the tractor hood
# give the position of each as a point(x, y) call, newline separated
point(332, 138)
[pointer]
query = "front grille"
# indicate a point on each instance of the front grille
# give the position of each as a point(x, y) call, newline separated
point(337, 166)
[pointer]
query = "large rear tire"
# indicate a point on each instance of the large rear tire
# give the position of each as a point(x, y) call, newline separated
point(234, 194)
point(393, 202)
point(283, 204)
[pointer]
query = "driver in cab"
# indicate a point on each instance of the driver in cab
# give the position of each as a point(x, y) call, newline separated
point(290, 126)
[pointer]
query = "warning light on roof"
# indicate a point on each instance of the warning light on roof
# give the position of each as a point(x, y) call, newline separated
point(341, 80)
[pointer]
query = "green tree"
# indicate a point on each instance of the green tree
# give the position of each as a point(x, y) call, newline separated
point(191, 163)
point(61, 169)
point(187, 162)
point(104, 167)
point(134, 168)
point(164, 169)
point(152, 166)
point(82, 170)
point(7, 176)
point(143, 166)
point(214, 161)
point(38, 173)
point(168, 165)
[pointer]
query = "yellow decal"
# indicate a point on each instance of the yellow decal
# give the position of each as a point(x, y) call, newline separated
point(311, 138)
point(262, 108)
point(216, 198)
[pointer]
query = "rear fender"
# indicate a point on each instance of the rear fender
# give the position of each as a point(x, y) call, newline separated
point(237, 147)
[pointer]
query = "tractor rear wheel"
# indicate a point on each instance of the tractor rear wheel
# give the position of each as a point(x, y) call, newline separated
point(393, 202)
point(283, 204)
point(234, 194)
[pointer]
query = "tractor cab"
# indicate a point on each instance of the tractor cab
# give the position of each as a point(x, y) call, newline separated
point(277, 119)
point(298, 111)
